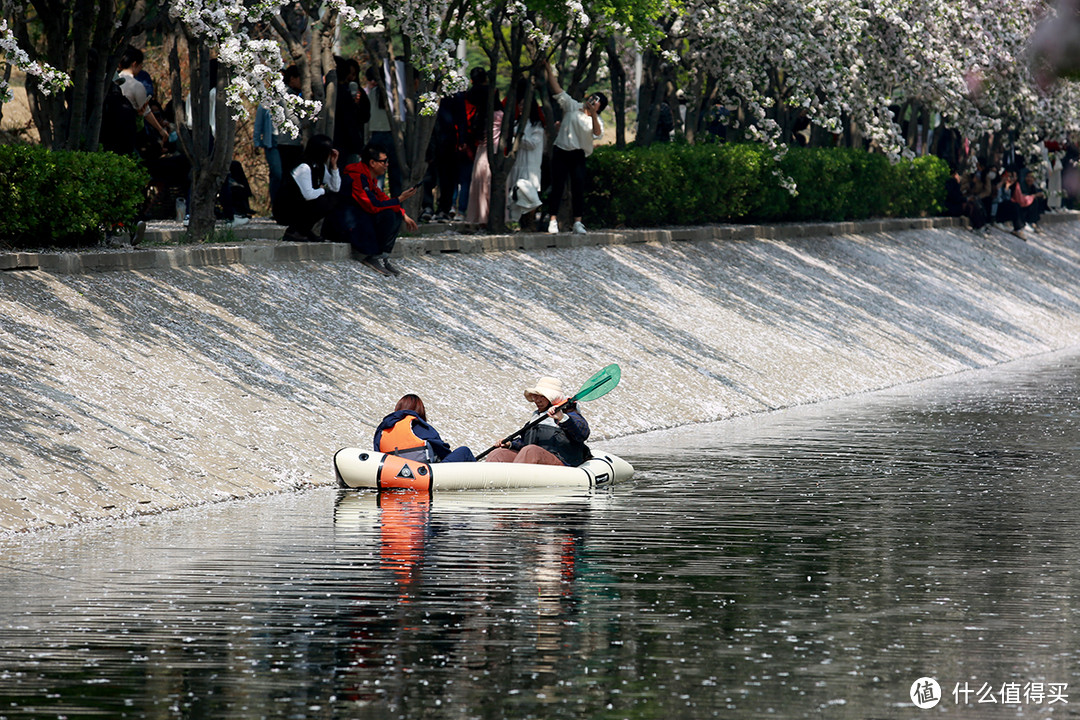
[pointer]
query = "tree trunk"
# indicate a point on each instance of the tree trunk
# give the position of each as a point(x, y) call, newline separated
point(328, 71)
point(648, 99)
point(911, 110)
point(927, 131)
point(657, 87)
point(618, 92)
point(36, 101)
point(209, 156)
point(699, 97)
point(6, 77)
point(99, 68)
point(328, 116)
point(411, 136)
point(68, 130)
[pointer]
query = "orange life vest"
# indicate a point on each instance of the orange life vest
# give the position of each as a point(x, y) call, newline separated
point(400, 440)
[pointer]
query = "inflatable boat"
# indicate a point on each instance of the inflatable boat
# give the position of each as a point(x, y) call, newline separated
point(356, 468)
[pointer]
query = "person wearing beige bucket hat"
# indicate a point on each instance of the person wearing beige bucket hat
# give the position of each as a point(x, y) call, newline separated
point(558, 440)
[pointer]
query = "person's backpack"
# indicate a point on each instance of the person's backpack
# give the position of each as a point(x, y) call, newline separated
point(118, 121)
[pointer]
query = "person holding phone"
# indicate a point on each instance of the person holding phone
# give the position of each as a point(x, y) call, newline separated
point(370, 219)
point(580, 129)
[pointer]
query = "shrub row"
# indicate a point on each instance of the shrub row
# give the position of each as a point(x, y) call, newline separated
point(65, 199)
point(679, 184)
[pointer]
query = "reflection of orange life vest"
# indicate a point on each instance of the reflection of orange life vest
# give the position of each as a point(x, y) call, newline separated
point(404, 522)
point(400, 440)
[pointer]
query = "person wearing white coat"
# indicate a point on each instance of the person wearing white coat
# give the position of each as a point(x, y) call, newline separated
point(523, 185)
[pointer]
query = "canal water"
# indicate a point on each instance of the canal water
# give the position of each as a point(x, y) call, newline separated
point(842, 560)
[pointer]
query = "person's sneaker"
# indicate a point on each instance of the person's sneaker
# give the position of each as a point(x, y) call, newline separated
point(373, 263)
point(238, 220)
point(441, 217)
point(1019, 234)
point(579, 229)
point(553, 226)
point(426, 215)
point(294, 236)
point(390, 268)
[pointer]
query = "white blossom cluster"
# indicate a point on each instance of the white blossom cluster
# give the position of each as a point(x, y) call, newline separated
point(434, 54)
point(255, 65)
point(855, 59)
point(51, 79)
point(836, 60)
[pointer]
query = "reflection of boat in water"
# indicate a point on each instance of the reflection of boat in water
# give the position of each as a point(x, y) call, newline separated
point(356, 468)
point(439, 573)
point(399, 522)
point(362, 511)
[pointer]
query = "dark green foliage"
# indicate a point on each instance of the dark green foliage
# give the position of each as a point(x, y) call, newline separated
point(65, 199)
point(673, 184)
point(678, 184)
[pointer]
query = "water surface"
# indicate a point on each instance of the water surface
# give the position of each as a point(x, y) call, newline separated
point(811, 563)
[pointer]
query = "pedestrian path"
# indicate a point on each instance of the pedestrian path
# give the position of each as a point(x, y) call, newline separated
point(259, 241)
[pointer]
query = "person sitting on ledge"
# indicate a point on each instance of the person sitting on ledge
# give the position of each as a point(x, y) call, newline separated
point(371, 220)
point(558, 440)
point(959, 202)
point(407, 433)
point(309, 192)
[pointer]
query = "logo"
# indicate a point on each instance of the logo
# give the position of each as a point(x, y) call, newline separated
point(925, 693)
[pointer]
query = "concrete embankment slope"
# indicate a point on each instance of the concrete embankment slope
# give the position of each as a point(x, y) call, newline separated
point(137, 391)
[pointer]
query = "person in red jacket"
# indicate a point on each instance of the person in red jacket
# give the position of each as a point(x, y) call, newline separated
point(383, 215)
point(1029, 197)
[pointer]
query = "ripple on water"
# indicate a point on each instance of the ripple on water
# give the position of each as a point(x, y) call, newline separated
point(808, 563)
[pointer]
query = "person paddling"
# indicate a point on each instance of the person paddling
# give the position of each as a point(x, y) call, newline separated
point(558, 440)
point(407, 433)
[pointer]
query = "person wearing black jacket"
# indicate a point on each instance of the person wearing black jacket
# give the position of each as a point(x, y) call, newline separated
point(352, 110)
point(558, 440)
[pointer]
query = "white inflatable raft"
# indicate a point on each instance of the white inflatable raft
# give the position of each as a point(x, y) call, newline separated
point(356, 468)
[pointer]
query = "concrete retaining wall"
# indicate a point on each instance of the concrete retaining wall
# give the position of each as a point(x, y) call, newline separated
point(190, 375)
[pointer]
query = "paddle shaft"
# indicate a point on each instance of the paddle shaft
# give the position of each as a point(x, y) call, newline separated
point(598, 385)
point(526, 428)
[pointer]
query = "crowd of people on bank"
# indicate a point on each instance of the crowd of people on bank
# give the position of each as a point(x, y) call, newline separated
point(353, 181)
point(1009, 195)
point(349, 187)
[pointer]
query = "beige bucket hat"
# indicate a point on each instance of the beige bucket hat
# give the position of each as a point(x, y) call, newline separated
point(548, 387)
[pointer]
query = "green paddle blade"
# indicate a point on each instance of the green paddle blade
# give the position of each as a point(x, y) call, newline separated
point(599, 384)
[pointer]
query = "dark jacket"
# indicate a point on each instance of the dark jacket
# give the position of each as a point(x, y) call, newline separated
point(565, 440)
point(350, 116)
point(420, 428)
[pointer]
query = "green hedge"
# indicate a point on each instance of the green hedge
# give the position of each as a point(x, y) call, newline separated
point(679, 184)
point(66, 199)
